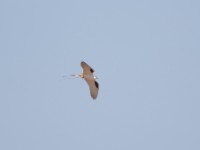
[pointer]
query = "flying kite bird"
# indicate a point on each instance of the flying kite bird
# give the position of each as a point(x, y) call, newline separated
point(90, 79)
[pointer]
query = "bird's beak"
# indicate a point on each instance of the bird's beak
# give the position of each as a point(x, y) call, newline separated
point(75, 75)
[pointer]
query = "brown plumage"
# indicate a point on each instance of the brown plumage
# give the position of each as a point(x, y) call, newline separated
point(90, 79)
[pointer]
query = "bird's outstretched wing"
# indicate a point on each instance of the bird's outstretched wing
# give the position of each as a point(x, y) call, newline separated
point(87, 70)
point(94, 87)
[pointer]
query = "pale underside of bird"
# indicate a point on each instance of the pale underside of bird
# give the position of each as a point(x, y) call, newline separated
point(87, 74)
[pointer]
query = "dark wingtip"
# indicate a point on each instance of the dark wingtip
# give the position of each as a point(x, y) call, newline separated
point(96, 84)
point(82, 62)
point(94, 98)
point(91, 70)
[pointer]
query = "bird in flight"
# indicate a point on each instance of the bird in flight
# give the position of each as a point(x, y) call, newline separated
point(87, 74)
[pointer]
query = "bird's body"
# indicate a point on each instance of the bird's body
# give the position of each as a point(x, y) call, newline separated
point(87, 74)
point(89, 77)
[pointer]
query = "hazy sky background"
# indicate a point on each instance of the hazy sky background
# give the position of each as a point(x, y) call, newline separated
point(145, 53)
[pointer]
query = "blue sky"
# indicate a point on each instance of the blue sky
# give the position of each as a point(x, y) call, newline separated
point(145, 53)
